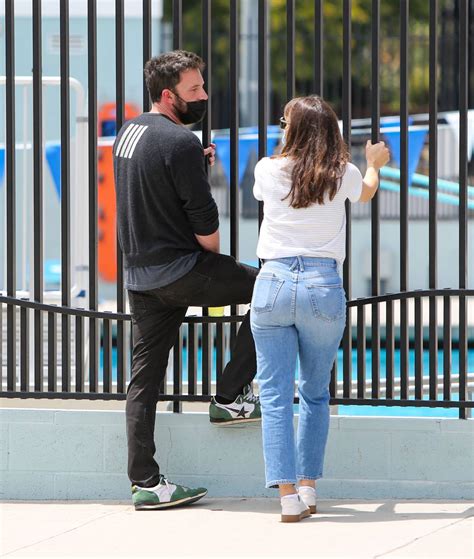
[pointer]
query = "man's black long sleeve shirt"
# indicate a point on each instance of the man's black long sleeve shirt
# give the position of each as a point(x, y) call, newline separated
point(163, 193)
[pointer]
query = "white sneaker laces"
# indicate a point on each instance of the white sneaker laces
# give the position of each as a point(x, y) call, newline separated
point(251, 397)
point(166, 483)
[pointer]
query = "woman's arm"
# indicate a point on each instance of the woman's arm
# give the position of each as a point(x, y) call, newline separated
point(377, 156)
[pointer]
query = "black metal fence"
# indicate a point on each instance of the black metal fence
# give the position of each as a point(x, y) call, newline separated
point(89, 348)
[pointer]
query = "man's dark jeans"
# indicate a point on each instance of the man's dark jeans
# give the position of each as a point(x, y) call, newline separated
point(216, 280)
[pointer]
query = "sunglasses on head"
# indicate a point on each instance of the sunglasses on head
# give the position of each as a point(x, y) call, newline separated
point(283, 122)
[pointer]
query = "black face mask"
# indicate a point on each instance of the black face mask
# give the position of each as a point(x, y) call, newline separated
point(195, 111)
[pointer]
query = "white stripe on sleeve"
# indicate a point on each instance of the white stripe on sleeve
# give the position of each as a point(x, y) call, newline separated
point(124, 137)
point(131, 139)
point(126, 143)
point(135, 142)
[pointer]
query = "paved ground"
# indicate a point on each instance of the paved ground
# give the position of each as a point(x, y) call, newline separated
point(238, 528)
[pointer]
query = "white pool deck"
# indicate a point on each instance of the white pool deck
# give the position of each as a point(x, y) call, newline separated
point(238, 527)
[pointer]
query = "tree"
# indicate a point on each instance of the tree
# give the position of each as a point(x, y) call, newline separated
point(361, 20)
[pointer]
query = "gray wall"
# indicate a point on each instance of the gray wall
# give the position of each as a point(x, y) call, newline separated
point(66, 454)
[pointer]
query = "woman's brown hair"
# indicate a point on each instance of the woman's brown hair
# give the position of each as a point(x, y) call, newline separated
point(315, 145)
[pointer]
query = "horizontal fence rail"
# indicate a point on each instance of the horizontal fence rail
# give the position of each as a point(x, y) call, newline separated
point(410, 348)
point(203, 347)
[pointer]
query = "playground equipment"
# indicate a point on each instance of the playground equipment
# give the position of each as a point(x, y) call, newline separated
point(24, 186)
point(107, 249)
point(420, 185)
point(24, 223)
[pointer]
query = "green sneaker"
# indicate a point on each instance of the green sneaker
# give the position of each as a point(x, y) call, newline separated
point(244, 409)
point(165, 495)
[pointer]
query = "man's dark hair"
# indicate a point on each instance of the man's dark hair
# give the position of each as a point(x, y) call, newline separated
point(164, 71)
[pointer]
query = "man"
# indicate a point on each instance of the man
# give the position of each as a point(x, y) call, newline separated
point(168, 229)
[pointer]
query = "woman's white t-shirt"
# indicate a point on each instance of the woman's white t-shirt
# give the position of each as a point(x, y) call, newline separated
point(318, 230)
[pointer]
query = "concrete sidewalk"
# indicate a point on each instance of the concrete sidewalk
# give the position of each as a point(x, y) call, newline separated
point(224, 527)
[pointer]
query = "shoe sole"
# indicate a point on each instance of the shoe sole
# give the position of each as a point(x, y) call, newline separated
point(312, 508)
point(170, 504)
point(295, 517)
point(223, 422)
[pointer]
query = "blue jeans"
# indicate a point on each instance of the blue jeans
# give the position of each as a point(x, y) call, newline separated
point(298, 309)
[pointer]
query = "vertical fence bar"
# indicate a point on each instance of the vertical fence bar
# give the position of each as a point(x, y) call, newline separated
point(10, 190)
point(178, 371)
point(462, 354)
point(206, 339)
point(130, 346)
point(375, 214)
point(107, 356)
point(418, 348)
point(92, 189)
point(120, 117)
point(234, 143)
point(24, 349)
point(65, 199)
point(79, 356)
point(52, 352)
point(404, 199)
point(470, 18)
point(447, 360)
point(290, 49)
point(38, 190)
point(318, 47)
point(404, 349)
point(164, 384)
point(463, 238)
point(333, 392)
point(220, 353)
point(361, 351)
point(262, 86)
point(206, 345)
point(146, 48)
point(347, 133)
point(192, 359)
point(234, 128)
point(177, 24)
point(433, 206)
point(1, 346)
point(389, 350)
point(207, 73)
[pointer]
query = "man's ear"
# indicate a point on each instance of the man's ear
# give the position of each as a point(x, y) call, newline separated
point(166, 94)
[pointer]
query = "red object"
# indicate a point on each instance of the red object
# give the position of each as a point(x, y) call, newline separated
point(107, 249)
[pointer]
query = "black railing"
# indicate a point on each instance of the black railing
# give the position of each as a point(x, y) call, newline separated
point(207, 335)
point(91, 347)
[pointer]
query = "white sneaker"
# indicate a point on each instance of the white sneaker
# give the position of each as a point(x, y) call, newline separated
point(308, 496)
point(293, 509)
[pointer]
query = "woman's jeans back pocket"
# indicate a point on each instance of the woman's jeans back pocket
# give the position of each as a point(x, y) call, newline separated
point(265, 292)
point(327, 301)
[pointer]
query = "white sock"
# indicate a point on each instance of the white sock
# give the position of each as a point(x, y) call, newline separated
point(307, 488)
point(291, 497)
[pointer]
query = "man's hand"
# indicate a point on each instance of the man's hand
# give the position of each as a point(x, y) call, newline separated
point(211, 152)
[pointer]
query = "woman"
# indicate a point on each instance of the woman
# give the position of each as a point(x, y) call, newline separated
point(298, 305)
